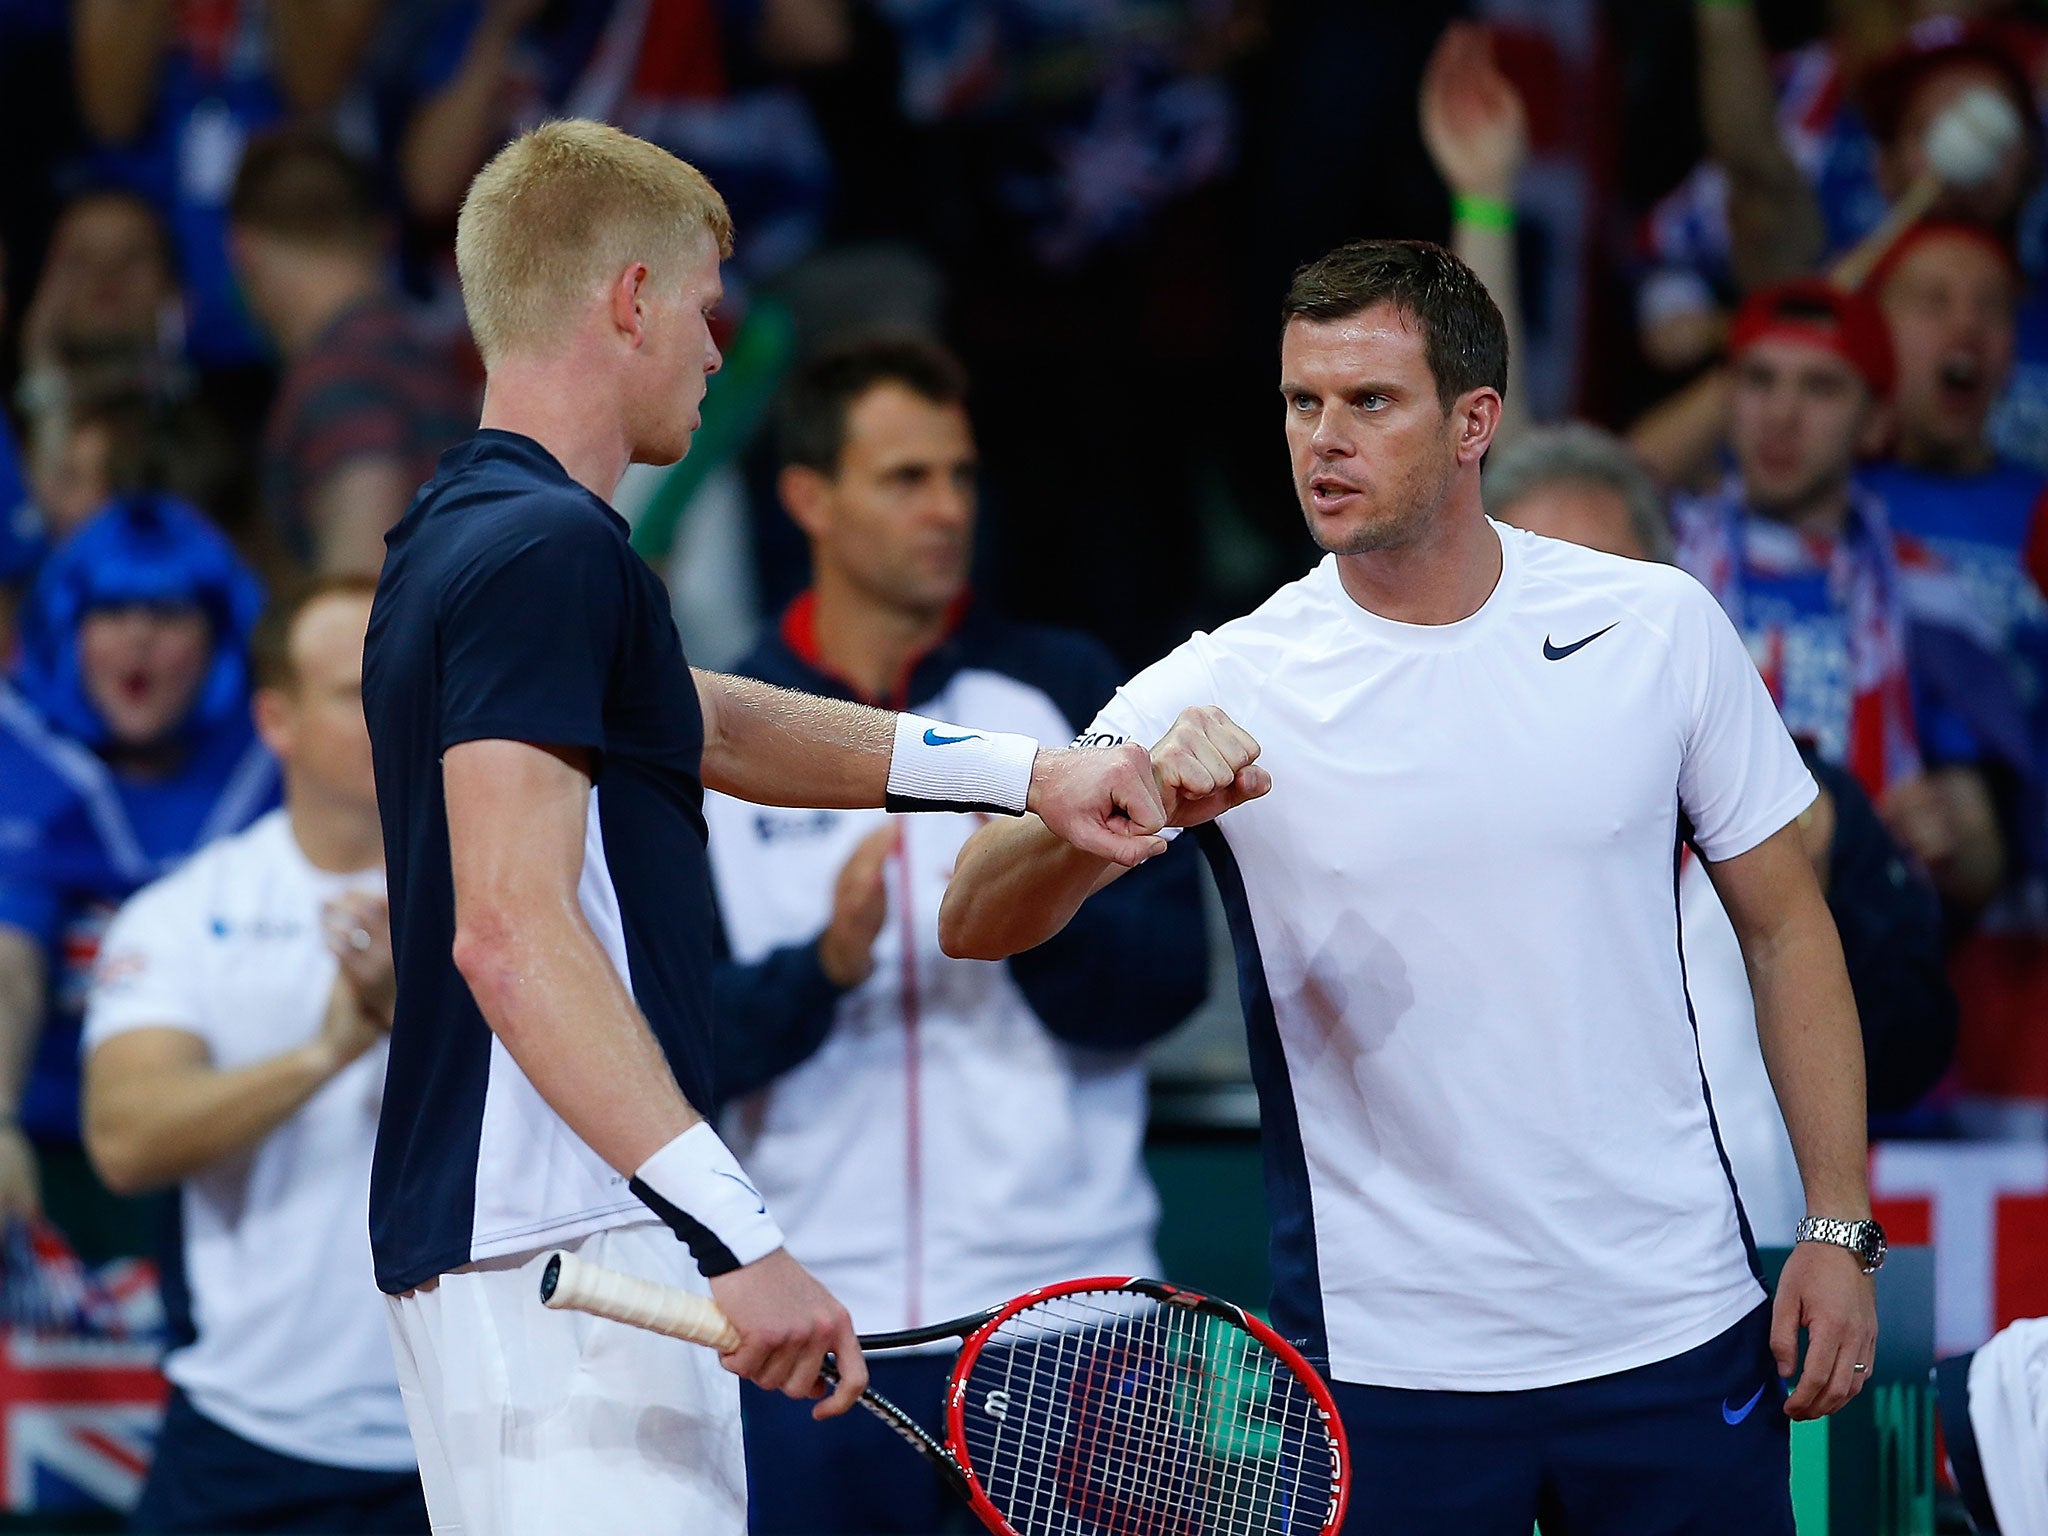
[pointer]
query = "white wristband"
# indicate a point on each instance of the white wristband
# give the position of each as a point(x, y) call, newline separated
point(940, 767)
point(697, 1186)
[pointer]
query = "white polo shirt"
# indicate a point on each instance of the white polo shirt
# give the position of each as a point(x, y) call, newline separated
point(292, 1349)
point(1490, 1162)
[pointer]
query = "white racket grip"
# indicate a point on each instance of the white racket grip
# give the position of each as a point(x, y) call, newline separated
point(581, 1286)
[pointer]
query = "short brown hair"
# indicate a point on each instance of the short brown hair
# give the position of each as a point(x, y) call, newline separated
point(1464, 339)
point(560, 209)
point(823, 392)
point(300, 185)
point(270, 645)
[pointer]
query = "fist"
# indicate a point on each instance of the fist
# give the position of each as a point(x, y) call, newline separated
point(787, 1324)
point(1102, 800)
point(1204, 766)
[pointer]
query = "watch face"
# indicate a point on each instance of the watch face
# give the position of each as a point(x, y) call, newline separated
point(1870, 1243)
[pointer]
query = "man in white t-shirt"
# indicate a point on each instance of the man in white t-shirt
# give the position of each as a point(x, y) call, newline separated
point(1443, 781)
point(235, 1048)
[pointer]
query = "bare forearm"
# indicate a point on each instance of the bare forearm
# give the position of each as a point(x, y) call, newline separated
point(1813, 1049)
point(315, 47)
point(777, 747)
point(146, 1130)
point(1677, 440)
point(118, 45)
point(551, 995)
point(22, 982)
point(1489, 250)
point(1774, 217)
point(1014, 886)
point(448, 139)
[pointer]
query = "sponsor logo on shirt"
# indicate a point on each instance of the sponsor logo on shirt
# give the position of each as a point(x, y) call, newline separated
point(1099, 739)
point(262, 930)
point(774, 826)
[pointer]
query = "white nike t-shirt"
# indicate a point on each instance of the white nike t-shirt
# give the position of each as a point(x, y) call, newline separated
point(1490, 1163)
point(292, 1351)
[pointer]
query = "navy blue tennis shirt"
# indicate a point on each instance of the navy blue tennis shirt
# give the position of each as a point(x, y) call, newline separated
point(512, 607)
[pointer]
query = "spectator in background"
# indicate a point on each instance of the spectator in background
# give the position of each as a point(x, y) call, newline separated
point(105, 390)
point(106, 316)
point(1860, 145)
point(171, 93)
point(697, 77)
point(1477, 134)
point(125, 743)
point(1580, 484)
point(1958, 509)
point(1950, 293)
point(235, 1047)
point(369, 399)
point(126, 443)
point(1801, 559)
point(935, 1132)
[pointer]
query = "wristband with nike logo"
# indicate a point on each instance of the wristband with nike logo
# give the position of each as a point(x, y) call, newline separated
point(938, 767)
point(696, 1186)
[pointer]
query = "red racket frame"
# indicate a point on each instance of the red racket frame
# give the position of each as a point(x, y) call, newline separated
point(1175, 1295)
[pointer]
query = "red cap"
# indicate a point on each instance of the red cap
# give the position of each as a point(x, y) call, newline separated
point(1812, 311)
point(1919, 234)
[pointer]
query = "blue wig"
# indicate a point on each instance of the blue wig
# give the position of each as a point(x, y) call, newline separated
point(143, 548)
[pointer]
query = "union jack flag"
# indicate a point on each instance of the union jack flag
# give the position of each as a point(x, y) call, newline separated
point(78, 1417)
point(80, 1393)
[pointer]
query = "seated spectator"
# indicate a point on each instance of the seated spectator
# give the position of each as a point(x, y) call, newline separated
point(171, 93)
point(1578, 483)
point(369, 399)
point(106, 317)
point(937, 1132)
point(1802, 560)
point(125, 743)
point(235, 1048)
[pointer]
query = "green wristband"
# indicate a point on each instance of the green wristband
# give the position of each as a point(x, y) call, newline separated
point(1485, 212)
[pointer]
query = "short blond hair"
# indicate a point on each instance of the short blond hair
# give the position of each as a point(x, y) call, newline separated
point(557, 212)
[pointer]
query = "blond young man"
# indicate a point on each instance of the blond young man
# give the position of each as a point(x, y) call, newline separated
point(541, 751)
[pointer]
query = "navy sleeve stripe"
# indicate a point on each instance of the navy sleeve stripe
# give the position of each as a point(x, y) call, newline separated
point(713, 1257)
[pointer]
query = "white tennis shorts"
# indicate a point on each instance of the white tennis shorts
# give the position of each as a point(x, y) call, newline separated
point(534, 1423)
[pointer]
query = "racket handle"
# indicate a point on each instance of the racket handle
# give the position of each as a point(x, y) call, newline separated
point(581, 1286)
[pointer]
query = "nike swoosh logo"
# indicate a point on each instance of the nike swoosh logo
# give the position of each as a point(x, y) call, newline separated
point(1737, 1415)
point(1559, 652)
point(933, 739)
point(743, 1184)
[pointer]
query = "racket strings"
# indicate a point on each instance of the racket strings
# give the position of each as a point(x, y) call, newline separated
point(1114, 1414)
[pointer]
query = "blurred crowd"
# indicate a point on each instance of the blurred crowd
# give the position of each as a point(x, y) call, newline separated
point(1773, 272)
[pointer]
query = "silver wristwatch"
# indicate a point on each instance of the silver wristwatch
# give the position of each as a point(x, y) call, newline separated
point(1865, 1239)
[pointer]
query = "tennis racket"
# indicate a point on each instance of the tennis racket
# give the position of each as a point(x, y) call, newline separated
point(1104, 1407)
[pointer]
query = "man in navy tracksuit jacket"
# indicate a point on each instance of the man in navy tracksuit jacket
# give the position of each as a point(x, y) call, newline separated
point(936, 1135)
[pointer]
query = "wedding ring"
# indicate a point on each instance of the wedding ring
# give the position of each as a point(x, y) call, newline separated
point(1857, 1365)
